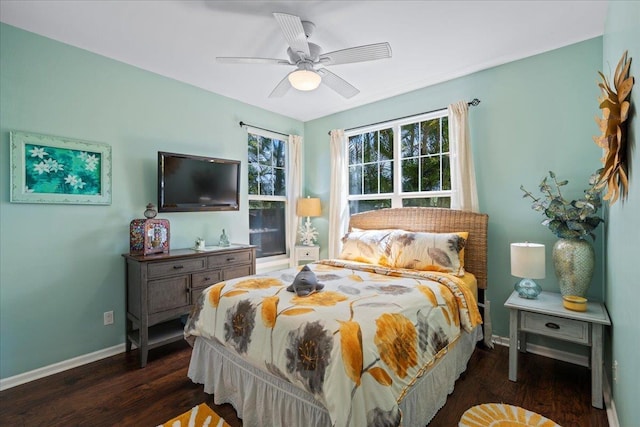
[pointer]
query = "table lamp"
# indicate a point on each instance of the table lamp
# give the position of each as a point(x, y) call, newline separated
point(527, 262)
point(308, 207)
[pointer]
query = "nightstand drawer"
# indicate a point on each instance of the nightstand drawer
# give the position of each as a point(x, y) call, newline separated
point(556, 327)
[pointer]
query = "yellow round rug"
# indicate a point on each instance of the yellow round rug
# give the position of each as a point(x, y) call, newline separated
point(198, 416)
point(501, 415)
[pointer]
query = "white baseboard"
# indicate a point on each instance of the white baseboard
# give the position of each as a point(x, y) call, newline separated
point(577, 359)
point(609, 404)
point(45, 371)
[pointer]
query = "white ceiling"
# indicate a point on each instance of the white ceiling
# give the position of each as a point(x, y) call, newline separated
point(431, 41)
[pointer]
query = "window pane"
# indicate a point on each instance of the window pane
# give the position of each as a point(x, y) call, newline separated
point(267, 227)
point(265, 154)
point(280, 183)
point(355, 179)
point(253, 149)
point(370, 174)
point(410, 175)
point(409, 137)
point(429, 202)
point(266, 180)
point(370, 147)
point(445, 134)
point(430, 173)
point(446, 172)
point(355, 149)
point(386, 177)
point(386, 144)
point(254, 177)
point(279, 153)
point(356, 206)
point(430, 143)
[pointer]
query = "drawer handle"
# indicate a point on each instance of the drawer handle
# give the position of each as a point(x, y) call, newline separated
point(552, 325)
point(230, 259)
point(178, 267)
point(206, 279)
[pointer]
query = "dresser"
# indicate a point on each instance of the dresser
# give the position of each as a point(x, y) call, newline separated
point(161, 289)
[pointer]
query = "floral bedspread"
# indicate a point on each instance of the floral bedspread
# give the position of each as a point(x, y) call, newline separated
point(357, 345)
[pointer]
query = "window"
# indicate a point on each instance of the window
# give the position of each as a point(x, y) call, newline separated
point(399, 164)
point(267, 160)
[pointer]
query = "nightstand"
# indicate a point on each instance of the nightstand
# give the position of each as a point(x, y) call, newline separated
point(546, 316)
point(306, 253)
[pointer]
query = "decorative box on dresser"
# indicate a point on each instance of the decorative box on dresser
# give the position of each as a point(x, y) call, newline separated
point(162, 288)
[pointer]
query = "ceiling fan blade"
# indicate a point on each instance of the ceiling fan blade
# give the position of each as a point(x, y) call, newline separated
point(293, 31)
point(370, 52)
point(241, 60)
point(281, 89)
point(338, 84)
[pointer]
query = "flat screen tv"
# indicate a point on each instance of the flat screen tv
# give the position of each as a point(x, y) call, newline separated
point(189, 183)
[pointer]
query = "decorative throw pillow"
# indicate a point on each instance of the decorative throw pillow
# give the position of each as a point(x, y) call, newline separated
point(429, 251)
point(370, 246)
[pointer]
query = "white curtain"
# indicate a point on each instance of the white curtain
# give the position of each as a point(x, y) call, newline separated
point(338, 206)
point(294, 190)
point(464, 193)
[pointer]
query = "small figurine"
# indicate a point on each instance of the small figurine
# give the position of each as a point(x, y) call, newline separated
point(224, 240)
point(200, 244)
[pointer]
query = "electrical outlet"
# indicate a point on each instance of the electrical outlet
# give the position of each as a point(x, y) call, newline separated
point(108, 318)
point(614, 370)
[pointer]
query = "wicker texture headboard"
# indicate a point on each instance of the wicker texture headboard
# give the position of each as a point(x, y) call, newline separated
point(436, 220)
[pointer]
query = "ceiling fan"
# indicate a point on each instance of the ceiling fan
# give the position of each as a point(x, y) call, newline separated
point(310, 61)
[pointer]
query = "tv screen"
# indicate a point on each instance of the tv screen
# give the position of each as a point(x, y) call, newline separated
point(189, 183)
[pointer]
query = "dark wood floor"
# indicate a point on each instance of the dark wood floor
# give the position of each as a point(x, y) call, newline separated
point(114, 391)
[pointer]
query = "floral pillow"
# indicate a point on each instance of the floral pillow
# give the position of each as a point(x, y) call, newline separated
point(429, 251)
point(370, 246)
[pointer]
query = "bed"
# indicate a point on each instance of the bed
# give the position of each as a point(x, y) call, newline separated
point(381, 344)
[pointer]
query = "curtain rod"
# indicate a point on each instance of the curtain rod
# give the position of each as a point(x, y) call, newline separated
point(258, 127)
point(471, 103)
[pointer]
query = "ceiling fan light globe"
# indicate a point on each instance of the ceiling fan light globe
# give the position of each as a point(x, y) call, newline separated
point(305, 80)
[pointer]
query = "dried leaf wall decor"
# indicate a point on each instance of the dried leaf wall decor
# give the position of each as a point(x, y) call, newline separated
point(615, 111)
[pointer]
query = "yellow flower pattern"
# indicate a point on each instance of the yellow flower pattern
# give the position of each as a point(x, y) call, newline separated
point(372, 329)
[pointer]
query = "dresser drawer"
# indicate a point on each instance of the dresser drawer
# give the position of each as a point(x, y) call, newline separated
point(222, 260)
point(179, 266)
point(556, 327)
point(208, 278)
point(238, 271)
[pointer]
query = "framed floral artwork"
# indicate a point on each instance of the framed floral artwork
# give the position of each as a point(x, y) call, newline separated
point(52, 169)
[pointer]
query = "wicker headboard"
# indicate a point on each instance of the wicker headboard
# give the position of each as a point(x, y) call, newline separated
point(436, 220)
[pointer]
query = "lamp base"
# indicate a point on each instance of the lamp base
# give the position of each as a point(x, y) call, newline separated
point(308, 234)
point(528, 289)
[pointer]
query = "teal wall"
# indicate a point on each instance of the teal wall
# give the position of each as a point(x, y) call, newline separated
point(622, 32)
point(60, 265)
point(536, 115)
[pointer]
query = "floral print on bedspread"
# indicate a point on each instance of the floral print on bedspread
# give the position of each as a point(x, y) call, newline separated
point(357, 346)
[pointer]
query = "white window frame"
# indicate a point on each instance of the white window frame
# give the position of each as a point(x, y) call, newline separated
point(266, 263)
point(398, 195)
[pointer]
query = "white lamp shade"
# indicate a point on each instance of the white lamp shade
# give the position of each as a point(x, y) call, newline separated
point(309, 207)
point(304, 79)
point(528, 260)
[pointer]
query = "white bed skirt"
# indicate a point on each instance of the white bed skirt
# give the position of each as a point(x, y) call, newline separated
point(263, 400)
